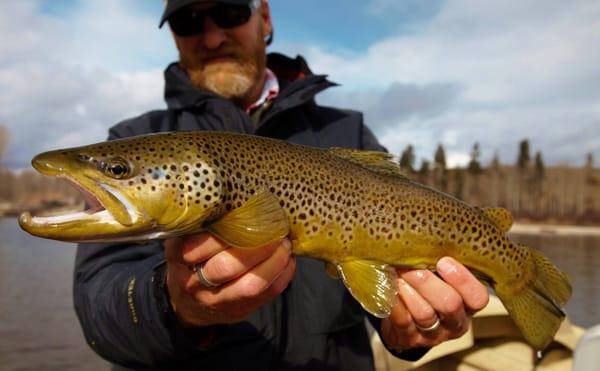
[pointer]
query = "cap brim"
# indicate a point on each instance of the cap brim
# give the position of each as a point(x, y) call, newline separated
point(175, 5)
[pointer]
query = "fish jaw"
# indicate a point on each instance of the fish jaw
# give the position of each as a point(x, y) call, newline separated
point(110, 216)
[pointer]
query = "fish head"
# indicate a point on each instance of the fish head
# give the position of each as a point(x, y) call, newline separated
point(135, 189)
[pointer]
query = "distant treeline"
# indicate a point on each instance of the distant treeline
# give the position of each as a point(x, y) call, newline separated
point(28, 190)
point(529, 189)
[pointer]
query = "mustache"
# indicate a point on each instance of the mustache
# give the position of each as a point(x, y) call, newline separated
point(225, 52)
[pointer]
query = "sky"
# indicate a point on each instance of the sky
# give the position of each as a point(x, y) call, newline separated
point(424, 72)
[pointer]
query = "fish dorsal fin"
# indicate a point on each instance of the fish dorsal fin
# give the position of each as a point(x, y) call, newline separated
point(501, 217)
point(380, 162)
point(258, 222)
point(374, 285)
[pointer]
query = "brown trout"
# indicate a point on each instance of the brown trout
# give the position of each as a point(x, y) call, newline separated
point(353, 209)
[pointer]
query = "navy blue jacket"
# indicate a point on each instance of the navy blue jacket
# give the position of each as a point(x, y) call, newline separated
point(119, 291)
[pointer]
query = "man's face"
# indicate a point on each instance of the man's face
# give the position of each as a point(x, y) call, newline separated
point(229, 62)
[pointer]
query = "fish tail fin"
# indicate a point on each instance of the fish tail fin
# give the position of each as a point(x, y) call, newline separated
point(536, 306)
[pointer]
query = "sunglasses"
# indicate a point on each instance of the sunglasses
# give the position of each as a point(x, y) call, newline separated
point(189, 21)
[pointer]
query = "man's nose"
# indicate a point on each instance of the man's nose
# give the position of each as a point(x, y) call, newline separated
point(214, 36)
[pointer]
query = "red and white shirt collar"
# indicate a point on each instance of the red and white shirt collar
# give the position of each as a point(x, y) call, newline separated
point(270, 91)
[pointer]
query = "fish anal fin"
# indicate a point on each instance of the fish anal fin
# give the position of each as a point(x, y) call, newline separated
point(374, 285)
point(501, 217)
point(258, 222)
point(379, 162)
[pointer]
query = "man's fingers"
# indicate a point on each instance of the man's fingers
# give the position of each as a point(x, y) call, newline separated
point(258, 279)
point(254, 283)
point(283, 280)
point(420, 310)
point(442, 297)
point(232, 263)
point(474, 293)
point(200, 247)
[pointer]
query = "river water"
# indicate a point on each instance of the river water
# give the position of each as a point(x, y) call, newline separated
point(38, 326)
point(39, 330)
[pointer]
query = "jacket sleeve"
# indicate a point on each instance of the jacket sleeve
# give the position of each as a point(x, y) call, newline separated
point(120, 296)
point(368, 141)
point(122, 304)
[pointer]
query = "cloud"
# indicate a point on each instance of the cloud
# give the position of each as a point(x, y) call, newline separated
point(491, 72)
point(399, 102)
point(494, 72)
point(64, 81)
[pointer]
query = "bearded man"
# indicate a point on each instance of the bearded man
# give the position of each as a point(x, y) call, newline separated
point(195, 303)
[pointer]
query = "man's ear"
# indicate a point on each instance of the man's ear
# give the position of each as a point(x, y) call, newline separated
point(265, 14)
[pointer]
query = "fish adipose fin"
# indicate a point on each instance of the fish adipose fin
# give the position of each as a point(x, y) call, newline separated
point(380, 162)
point(501, 217)
point(374, 285)
point(258, 222)
point(536, 307)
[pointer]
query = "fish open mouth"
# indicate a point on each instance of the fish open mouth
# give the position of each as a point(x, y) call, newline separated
point(106, 212)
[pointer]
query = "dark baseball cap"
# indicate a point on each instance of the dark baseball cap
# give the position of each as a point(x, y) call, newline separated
point(175, 5)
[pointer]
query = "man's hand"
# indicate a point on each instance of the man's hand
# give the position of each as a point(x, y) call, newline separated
point(246, 279)
point(426, 298)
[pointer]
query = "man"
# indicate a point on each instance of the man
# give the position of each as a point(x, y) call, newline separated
point(192, 302)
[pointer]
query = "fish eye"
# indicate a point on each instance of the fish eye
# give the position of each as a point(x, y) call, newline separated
point(115, 168)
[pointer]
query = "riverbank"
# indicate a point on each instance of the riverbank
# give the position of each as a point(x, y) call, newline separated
point(555, 230)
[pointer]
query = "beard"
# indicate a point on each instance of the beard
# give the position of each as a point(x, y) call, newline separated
point(233, 78)
point(229, 79)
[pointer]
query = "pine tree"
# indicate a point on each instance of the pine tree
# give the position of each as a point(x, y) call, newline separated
point(440, 157)
point(524, 158)
point(441, 173)
point(589, 160)
point(539, 166)
point(495, 164)
point(407, 159)
point(425, 168)
point(474, 166)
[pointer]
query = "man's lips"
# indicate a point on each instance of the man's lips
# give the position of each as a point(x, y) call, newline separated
point(218, 59)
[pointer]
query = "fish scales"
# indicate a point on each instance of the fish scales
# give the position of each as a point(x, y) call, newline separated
point(329, 199)
point(352, 209)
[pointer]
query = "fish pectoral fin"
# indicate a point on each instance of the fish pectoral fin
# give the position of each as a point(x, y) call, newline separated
point(501, 217)
point(374, 285)
point(258, 222)
point(379, 162)
point(332, 270)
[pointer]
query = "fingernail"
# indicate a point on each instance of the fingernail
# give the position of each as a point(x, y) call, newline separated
point(446, 265)
point(287, 244)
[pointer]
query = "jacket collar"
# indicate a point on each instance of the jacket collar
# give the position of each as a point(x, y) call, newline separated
point(298, 85)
